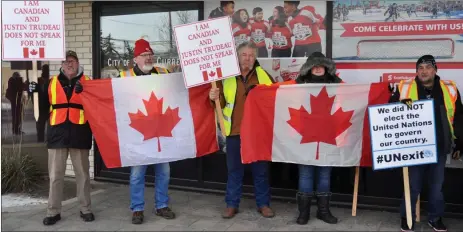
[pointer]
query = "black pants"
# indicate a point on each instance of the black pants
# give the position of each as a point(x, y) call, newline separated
point(16, 116)
point(40, 125)
point(281, 52)
point(306, 50)
point(262, 52)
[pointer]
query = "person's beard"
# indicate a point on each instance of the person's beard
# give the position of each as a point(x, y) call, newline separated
point(147, 67)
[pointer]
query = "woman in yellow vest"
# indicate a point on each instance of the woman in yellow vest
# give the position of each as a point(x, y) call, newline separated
point(448, 111)
point(232, 95)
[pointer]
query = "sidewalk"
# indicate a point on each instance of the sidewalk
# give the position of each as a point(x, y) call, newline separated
point(199, 212)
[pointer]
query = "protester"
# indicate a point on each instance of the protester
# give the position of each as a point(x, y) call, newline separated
point(14, 93)
point(43, 103)
point(317, 69)
point(144, 65)
point(231, 93)
point(448, 111)
point(68, 134)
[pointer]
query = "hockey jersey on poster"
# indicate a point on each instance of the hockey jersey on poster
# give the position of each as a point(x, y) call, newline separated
point(279, 28)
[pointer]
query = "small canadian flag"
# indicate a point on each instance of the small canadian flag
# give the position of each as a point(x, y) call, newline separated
point(217, 73)
point(30, 52)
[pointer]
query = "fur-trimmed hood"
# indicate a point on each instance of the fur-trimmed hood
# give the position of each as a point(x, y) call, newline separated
point(318, 59)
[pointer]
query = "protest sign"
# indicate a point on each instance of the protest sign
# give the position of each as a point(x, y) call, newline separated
point(207, 51)
point(33, 30)
point(401, 135)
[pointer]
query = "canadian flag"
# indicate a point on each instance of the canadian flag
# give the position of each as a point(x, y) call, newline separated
point(314, 124)
point(34, 52)
point(149, 119)
point(212, 74)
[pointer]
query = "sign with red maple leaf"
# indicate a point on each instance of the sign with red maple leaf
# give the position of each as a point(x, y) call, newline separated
point(320, 125)
point(155, 123)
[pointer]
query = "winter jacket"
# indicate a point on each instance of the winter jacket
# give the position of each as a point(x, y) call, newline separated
point(67, 134)
point(443, 135)
point(318, 59)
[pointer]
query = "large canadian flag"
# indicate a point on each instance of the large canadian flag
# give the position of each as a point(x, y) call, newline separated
point(314, 124)
point(149, 119)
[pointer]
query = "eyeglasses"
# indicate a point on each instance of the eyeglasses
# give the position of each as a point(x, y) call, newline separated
point(69, 62)
point(148, 55)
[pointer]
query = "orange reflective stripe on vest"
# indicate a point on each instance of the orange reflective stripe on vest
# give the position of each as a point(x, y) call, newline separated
point(60, 108)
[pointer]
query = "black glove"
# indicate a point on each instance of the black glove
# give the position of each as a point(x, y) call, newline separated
point(391, 87)
point(33, 87)
point(249, 89)
point(458, 147)
point(78, 88)
point(407, 102)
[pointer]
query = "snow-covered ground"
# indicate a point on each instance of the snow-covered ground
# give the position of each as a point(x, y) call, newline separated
point(15, 200)
point(345, 47)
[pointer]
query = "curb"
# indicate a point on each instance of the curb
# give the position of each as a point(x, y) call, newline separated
point(15, 209)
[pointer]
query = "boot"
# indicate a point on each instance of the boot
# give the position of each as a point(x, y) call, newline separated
point(323, 212)
point(303, 204)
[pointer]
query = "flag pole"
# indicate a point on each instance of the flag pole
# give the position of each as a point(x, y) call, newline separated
point(35, 94)
point(356, 190)
point(218, 110)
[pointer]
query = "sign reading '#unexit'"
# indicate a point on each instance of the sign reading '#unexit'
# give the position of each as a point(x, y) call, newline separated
point(33, 30)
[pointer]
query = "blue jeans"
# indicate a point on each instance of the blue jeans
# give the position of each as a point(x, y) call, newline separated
point(137, 186)
point(236, 174)
point(307, 176)
point(434, 174)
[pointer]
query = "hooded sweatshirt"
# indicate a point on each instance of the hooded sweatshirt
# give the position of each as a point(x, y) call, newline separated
point(318, 59)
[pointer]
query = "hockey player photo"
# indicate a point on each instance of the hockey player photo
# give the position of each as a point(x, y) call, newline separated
point(241, 27)
point(280, 33)
point(259, 31)
point(304, 23)
point(398, 31)
point(226, 8)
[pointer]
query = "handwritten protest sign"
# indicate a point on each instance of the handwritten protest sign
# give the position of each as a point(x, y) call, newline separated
point(207, 51)
point(403, 136)
point(33, 30)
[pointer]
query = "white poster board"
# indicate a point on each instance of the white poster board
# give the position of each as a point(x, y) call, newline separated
point(33, 30)
point(403, 136)
point(207, 51)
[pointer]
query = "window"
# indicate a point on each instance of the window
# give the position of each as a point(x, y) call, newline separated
point(123, 24)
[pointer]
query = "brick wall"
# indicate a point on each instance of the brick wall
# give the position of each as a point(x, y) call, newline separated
point(78, 29)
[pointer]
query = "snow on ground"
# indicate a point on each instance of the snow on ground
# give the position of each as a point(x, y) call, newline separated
point(14, 200)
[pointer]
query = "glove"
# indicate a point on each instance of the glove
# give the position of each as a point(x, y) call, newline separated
point(78, 88)
point(456, 153)
point(33, 87)
point(407, 102)
point(250, 88)
point(391, 87)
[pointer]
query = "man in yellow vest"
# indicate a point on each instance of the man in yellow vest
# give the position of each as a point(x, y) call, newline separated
point(232, 95)
point(448, 111)
point(68, 134)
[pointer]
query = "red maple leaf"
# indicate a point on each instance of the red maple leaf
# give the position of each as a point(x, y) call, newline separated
point(319, 125)
point(33, 52)
point(155, 123)
point(212, 73)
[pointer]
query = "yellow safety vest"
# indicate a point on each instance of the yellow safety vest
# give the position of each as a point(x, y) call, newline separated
point(229, 91)
point(131, 73)
point(408, 90)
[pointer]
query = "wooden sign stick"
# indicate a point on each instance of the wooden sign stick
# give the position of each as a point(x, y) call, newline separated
point(408, 207)
point(356, 190)
point(218, 110)
point(36, 95)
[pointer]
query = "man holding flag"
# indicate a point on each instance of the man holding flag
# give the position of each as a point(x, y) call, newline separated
point(144, 65)
point(231, 93)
